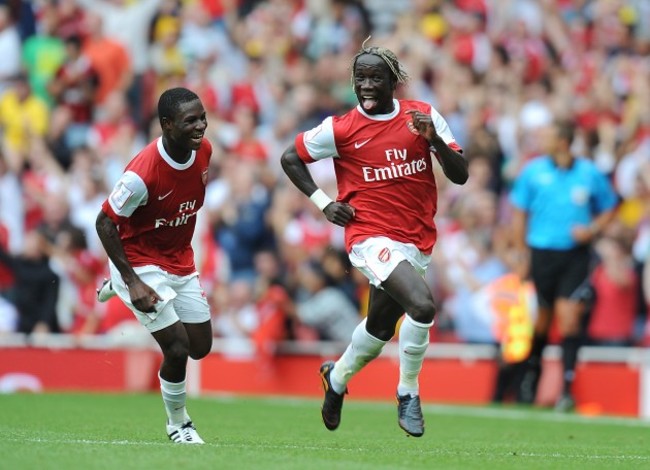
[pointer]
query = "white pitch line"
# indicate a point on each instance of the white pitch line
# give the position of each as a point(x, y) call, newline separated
point(438, 451)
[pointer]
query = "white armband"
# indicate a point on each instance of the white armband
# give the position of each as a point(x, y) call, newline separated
point(321, 199)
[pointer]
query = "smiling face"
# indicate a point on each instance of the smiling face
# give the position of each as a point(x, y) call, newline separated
point(185, 131)
point(374, 84)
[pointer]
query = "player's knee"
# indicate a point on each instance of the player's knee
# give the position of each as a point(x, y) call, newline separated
point(423, 311)
point(177, 352)
point(382, 332)
point(199, 351)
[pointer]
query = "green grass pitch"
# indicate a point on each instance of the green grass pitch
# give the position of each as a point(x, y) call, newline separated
point(102, 431)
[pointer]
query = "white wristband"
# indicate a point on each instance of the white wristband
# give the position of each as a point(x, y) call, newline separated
point(321, 199)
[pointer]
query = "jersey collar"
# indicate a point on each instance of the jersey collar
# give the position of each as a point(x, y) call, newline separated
point(381, 117)
point(173, 163)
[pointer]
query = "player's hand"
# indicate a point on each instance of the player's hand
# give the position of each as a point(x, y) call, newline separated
point(143, 297)
point(423, 124)
point(339, 213)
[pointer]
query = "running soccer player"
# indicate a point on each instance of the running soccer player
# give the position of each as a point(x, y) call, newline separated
point(382, 152)
point(146, 227)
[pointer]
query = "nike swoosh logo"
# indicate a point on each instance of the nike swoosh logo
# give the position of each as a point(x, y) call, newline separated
point(160, 198)
point(358, 145)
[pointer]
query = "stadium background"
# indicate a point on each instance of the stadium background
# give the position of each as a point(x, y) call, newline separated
point(78, 86)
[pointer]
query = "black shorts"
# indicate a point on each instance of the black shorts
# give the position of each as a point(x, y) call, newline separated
point(559, 273)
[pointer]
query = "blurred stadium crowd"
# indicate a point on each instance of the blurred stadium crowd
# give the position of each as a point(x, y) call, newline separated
point(79, 80)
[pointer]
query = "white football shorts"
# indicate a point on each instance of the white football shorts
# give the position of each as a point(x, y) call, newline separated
point(183, 297)
point(377, 257)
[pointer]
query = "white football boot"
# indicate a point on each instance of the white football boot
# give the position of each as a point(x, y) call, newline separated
point(184, 433)
point(106, 291)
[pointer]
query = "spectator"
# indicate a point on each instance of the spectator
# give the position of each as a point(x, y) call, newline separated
point(109, 59)
point(236, 317)
point(10, 49)
point(83, 270)
point(239, 224)
point(73, 87)
point(36, 288)
point(167, 60)
point(615, 283)
point(324, 307)
point(23, 115)
point(127, 24)
point(42, 55)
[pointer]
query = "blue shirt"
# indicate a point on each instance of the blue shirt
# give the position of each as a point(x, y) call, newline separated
point(557, 199)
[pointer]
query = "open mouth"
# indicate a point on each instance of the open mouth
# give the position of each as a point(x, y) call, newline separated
point(368, 102)
point(197, 137)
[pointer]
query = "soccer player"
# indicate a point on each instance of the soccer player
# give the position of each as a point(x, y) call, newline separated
point(146, 227)
point(561, 203)
point(382, 152)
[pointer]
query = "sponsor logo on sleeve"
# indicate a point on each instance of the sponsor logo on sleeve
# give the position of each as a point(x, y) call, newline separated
point(120, 195)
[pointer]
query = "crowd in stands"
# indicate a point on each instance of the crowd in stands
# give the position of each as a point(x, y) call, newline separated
point(79, 81)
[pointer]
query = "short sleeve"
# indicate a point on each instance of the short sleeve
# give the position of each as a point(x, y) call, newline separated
point(443, 130)
point(129, 193)
point(521, 193)
point(317, 143)
point(604, 194)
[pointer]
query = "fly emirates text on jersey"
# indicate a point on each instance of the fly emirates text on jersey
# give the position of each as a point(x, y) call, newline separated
point(398, 167)
point(182, 218)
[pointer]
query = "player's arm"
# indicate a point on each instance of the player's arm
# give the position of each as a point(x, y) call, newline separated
point(297, 171)
point(142, 296)
point(453, 163)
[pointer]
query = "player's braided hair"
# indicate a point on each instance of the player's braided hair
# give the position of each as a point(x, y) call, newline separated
point(170, 101)
point(387, 56)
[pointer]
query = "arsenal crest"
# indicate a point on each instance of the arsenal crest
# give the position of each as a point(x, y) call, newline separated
point(411, 127)
point(384, 255)
point(204, 176)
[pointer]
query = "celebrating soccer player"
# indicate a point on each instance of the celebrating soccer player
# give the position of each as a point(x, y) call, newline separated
point(382, 152)
point(146, 226)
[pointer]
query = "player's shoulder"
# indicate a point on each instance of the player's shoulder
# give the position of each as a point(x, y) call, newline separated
point(417, 105)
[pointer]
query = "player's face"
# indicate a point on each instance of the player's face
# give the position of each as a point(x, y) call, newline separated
point(188, 128)
point(373, 84)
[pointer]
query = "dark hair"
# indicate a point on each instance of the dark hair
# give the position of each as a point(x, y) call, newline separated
point(566, 130)
point(170, 101)
point(396, 68)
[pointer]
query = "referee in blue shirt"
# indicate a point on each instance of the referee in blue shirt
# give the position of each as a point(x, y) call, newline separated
point(561, 203)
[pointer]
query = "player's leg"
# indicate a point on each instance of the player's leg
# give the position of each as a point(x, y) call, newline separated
point(407, 287)
point(175, 346)
point(192, 308)
point(368, 340)
point(200, 335)
point(165, 326)
point(569, 309)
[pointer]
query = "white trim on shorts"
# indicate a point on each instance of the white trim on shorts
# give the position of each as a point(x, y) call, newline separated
point(183, 297)
point(377, 258)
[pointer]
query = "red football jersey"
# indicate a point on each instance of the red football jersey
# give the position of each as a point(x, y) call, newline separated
point(383, 169)
point(154, 205)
